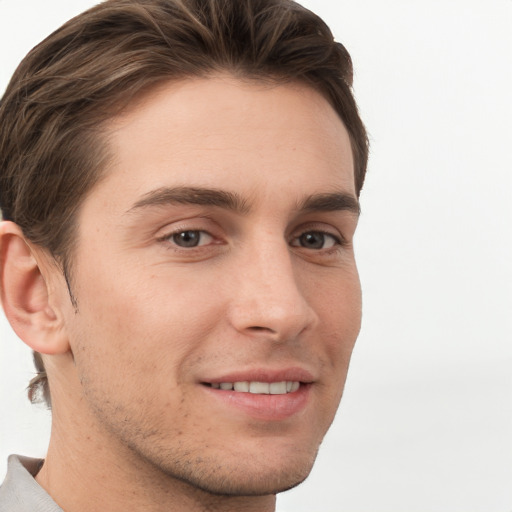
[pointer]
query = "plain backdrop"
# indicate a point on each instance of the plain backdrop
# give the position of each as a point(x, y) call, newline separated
point(426, 421)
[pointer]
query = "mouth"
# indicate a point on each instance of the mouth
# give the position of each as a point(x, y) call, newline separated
point(263, 394)
point(258, 388)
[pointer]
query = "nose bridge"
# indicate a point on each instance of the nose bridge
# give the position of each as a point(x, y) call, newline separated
point(270, 299)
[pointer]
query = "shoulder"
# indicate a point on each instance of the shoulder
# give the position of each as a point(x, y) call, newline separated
point(20, 492)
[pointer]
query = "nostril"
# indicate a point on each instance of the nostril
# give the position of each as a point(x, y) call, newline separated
point(258, 328)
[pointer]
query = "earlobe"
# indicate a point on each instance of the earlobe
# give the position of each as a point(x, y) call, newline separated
point(25, 294)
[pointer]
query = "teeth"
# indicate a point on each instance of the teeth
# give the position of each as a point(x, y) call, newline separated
point(259, 388)
point(277, 388)
point(241, 386)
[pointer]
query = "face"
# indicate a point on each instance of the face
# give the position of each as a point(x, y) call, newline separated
point(218, 297)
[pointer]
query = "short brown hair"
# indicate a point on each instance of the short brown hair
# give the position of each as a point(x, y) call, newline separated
point(67, 87)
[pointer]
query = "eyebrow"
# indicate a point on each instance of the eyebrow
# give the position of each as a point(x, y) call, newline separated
point(325, 202)
point(338, 201)
point(192, 195)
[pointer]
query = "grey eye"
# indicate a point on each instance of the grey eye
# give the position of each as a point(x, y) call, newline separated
point(187, 238)
point(316, 240)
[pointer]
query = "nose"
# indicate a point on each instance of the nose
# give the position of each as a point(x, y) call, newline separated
point(271, 299)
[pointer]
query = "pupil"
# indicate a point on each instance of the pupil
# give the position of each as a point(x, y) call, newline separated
point(312, 240)
point(187, 238)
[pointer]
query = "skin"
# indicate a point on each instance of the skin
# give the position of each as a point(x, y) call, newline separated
point(270, 289)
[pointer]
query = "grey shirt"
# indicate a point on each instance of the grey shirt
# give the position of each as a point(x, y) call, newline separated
point(20, 492)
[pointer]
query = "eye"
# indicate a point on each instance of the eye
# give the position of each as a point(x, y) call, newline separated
point(190, 238)
point(315, 240)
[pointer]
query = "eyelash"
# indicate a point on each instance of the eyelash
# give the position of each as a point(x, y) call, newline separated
point(170, 238)
point(337, 241)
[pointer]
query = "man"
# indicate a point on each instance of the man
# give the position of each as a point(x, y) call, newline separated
point(179, 183)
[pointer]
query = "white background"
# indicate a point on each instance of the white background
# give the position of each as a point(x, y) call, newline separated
point(426, 421)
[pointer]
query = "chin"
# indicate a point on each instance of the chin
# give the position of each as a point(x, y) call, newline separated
point(244, 477)
point(243, 482)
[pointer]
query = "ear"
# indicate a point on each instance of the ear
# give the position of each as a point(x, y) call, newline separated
point(25, 294)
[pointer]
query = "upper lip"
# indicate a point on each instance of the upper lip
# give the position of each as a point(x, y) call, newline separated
point(294, 374)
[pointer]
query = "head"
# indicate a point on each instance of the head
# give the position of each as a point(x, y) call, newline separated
point(127, 117)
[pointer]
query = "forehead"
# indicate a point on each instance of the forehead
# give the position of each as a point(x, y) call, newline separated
point(225, 131)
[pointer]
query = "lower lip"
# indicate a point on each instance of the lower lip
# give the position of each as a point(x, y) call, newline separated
point(264, 407)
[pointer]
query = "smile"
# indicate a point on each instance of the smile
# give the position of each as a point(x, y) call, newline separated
point(258, 388)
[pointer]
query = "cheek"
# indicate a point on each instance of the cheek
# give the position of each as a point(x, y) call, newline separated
point(340, 316)
point(143, 326)
point(339, 307)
